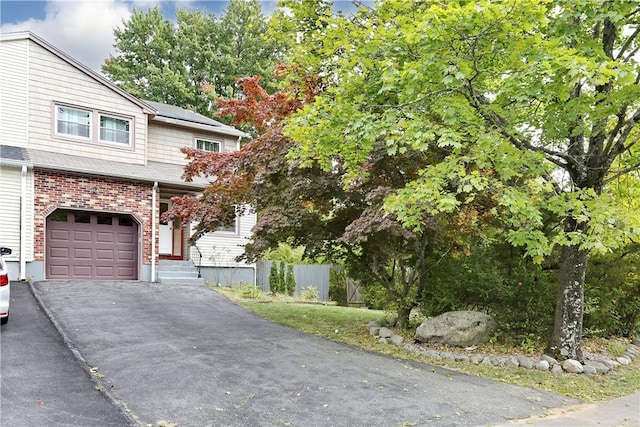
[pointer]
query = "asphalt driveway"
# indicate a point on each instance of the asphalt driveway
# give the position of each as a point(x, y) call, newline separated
point(41, 382)
point(190, 356)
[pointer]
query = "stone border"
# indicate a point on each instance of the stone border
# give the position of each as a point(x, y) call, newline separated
point(594, 364)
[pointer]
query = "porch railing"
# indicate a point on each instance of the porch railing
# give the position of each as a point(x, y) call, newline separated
point(199, 254)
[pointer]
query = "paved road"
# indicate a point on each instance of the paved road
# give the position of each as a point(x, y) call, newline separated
point(42, 383)
point(189, 356)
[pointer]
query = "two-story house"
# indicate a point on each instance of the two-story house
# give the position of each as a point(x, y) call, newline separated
point(86, 170)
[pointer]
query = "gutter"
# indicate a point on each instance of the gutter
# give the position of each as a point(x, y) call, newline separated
point(154, 192)
point(23, 223)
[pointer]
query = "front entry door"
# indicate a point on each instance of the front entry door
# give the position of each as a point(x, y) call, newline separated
point(170, 236)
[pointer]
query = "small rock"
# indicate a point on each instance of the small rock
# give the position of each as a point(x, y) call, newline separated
point(590, 370)
point(487, 361)
point(629, 355)
point(462, 358)
point(373, 324)
point(542, 365)
point(385, 332)
point(634, 348)
point(477, 358)
point(396, 339)
point(511, 362)
point(382, 341)
point(636, 341)
point(448, 356)
point(608, 363)
point(433, 353)
point(374, 331)
point(623, 360)
point(600, 367)
point(572, 366)
point(556, 370)
point(392, 322)
point(549, 359)
point(525, 362)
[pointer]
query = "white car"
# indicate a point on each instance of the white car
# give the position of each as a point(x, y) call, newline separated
point(5, 287)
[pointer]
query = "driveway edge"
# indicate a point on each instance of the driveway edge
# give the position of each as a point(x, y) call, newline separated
point(101, 386)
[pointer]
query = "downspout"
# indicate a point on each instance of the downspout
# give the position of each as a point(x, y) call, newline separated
point(23, 223)
point(153, 231)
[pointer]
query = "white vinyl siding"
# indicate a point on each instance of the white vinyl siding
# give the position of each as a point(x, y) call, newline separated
point(165, 142)
point(53, 82)
point(10, 218)
point(220, 249)
point(14, 86)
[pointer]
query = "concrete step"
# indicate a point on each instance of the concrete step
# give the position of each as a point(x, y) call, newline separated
point(178, 273)
point(177, 268)
point(172, 262)
point(181, 281)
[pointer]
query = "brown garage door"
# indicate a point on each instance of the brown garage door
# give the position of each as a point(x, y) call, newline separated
point(90, 245)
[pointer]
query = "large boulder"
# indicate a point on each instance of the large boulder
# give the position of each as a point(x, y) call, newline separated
point(458, 328)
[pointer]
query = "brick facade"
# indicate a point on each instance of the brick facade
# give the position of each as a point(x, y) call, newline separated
point(55, 190)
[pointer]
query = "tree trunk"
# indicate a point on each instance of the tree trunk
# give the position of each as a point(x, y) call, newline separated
point(403, 317)
point(567, 329)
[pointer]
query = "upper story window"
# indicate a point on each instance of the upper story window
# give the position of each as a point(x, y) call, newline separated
point(93, 126)
point(207, 145)
point(113, 129)
point(73, 122)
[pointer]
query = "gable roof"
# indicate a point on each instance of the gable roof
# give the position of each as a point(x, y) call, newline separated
point(160, 112)
point(176, 115)
point(28, 35)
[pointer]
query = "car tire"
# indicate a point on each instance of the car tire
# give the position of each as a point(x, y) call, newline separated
point(4, 320)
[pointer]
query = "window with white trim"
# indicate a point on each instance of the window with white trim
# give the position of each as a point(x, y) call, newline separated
point(93, 126)
point(208, 145)
point(114, 129)
point(74, 122)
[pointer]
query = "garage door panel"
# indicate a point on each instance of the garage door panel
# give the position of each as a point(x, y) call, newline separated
point(125, 271)
point(60, 253)
point(59, 235)
point(82, 254)
point(97, 248)
point(104, 255)
point(126, 238)
point(58, 271)
point(105, 272)
point(82, 271)
point(126, 255)
point(104, 237)
point(82, 236)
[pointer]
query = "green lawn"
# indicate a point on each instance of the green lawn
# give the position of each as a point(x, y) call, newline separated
point(347, 325)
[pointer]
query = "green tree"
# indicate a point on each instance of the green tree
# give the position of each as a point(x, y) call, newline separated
point(274, 278)
point(533, 104)
point(282, 281)
point(195, 61)
point(290, 280)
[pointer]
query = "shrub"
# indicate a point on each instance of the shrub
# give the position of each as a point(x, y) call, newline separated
point(338, 286)
point(274, 278)
point(290, 280)
point(612, 294)
point(309, 293)
point(498, 280)
point(250, 291)
point(281, 278)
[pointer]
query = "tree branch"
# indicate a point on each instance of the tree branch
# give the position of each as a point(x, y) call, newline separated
point(617, 174)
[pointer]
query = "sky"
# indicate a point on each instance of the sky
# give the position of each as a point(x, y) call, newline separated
point(83, 29)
